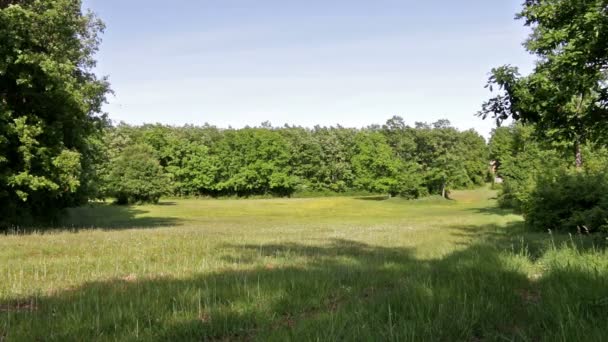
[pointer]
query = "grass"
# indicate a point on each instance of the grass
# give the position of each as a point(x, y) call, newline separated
point(303, 269)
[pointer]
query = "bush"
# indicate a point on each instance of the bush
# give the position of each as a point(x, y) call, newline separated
point(411, 186)
point(515, 192)
point(520, 174)
point(571, 201)
point(136, 176)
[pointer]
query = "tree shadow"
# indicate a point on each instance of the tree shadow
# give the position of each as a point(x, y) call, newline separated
point(516, 237)
point(113, 217)
point(373, 198)
point(166, 203)
point(493, 211)
point(341, 290)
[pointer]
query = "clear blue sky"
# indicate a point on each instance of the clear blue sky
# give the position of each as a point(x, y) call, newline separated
point(241, 62)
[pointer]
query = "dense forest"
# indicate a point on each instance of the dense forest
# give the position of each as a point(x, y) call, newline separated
point(145, 162)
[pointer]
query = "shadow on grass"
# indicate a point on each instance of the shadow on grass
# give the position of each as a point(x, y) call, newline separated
point(514, 236)
point(166, 203)
point(373, 198)
point(342, 290)
point(111, 217)
point(493, 211)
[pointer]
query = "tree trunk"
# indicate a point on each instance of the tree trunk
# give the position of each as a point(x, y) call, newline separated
point(578, 155)
point(443, 190)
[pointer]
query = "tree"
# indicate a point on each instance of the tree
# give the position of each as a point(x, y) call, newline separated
point(442, 154)
point(375, 165)
point(50, 107)
point(135, 176)
point(566, 96)
point(400, 137)
point(474, 151)
point(306, 157)
point(338, 149)
point(522, 159)
point(193, 169)
point(254, 161)
point(393, 158)
point(501, 145)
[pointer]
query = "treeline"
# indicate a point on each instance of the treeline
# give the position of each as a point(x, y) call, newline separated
point(144, 162)
point(542, 181)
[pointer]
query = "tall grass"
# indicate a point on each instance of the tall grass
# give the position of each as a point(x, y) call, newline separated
point(303, 269)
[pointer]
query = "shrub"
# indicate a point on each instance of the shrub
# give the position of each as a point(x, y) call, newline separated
point(520, 174)
point(515, 192)
point(571, 200)
point(411, 185)
point(136, 176)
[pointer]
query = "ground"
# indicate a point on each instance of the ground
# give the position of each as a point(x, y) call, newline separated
point(357, 269)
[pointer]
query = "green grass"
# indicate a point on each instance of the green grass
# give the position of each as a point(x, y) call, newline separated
point(303, 269)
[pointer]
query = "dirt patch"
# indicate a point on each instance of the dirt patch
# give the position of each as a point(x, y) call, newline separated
point(131, 278)
point(529, 296)
point(204, 317)
point(289, 320)
point(23, 306)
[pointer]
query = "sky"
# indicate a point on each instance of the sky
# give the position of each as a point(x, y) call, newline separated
point(314, 62)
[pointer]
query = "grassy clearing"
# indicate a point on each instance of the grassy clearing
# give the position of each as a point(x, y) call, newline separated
point(303, 269)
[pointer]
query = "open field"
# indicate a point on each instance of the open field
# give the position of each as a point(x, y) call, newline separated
point(303, 269)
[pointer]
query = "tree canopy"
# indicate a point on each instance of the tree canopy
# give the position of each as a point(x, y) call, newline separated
point(566, 96)
point(50, 106)
point(394, 159)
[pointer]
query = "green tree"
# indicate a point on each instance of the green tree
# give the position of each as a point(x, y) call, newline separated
point(193, 169)
point(306, 158)
point(254, 161)
point(522, 160)
point(135, 176)
point(375, 166)
point(500, 145)
point(442, 154)
point(566, 96)
point(50, 105)
point(475, 153)
point(400, 137)
point(337, 151)
point(393, 158)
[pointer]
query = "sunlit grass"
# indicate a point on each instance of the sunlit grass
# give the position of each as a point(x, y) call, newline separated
point(302, 269)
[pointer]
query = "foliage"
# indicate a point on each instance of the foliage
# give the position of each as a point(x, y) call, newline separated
point(375, 167)
point(566, 95)
point(538, 181)
point(192, 168)
point(395, 159)
point(572, 201)
point(135, 176)
point(253, 161)
point(337, 150)
point(410, 182)
point(50, 105)
point(521, 159)
point(450, 159)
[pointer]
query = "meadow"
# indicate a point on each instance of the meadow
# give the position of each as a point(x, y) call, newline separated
point(326, 269)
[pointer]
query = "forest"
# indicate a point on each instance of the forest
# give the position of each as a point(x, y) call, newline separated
point(391, 159)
